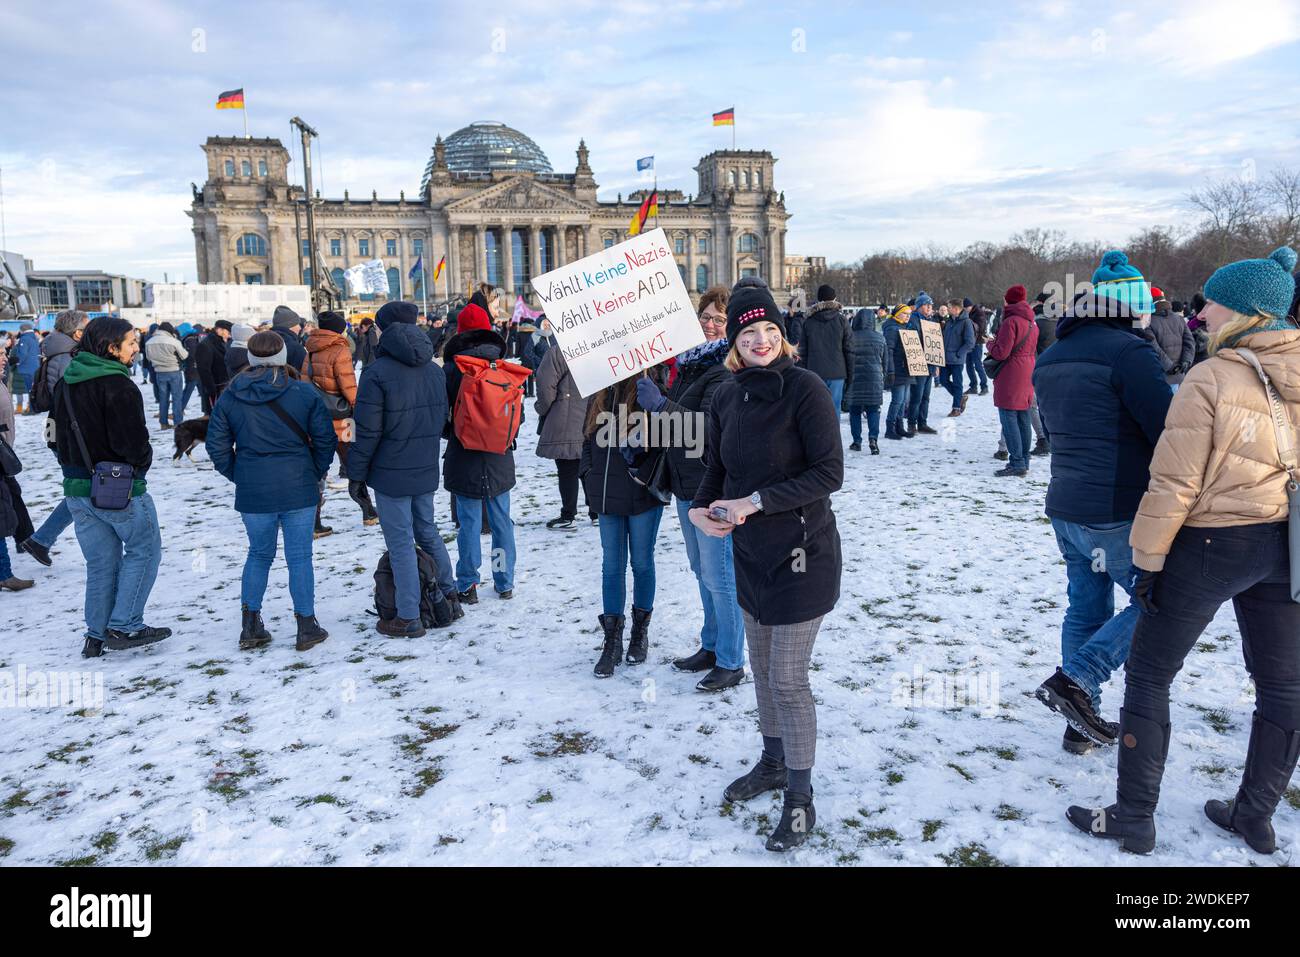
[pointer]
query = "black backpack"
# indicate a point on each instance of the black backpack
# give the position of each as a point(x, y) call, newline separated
point(40, 399)
point(435, 611)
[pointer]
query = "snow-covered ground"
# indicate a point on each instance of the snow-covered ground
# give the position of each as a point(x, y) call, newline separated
point(490, 742)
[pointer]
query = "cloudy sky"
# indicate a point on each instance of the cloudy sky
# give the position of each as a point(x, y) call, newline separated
point(894, 123)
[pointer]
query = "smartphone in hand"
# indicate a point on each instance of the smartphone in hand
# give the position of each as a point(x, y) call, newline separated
point(719, 514)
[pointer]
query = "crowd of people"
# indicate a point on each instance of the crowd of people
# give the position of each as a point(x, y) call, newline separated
point(1172, 457)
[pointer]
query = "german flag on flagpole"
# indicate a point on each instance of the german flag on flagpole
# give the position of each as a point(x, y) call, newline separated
point(231, 100)
point(649, 207)
point(437, 270)
point(725, 118)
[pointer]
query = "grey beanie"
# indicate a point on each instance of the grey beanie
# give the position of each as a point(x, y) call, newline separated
point(240, 335)
point(285, 318)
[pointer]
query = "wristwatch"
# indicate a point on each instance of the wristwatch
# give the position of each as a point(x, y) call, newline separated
point(757, 501)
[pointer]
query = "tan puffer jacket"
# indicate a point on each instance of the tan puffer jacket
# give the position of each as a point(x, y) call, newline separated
point(329, 366)
point(1217, 461)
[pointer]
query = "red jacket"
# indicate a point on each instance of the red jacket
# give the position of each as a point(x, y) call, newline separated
point(1013, 388)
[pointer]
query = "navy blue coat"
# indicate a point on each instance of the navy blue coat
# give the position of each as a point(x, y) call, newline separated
point(958, 338)
point(273, 469)
point(895, 355)
point(1102, 397)
point(870, 362)
point(295, 351)
point(400, 413)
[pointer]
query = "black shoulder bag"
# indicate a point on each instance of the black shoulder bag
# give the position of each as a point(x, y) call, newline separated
point(337, 405)
point(994, 366)
point(110, 482)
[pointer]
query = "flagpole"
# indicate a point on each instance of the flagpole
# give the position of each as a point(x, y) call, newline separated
point(424, 288)
point(246, 116)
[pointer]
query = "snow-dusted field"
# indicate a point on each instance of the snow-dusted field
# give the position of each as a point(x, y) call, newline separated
point(491, 742)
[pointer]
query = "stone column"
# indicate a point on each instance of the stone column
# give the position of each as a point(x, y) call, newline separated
point(586, 242)
point(480, 253)
point(403, 270)
point(534, 252)
point(690, 261)
point(507, 246)
point(453, 259)
point(561, 254)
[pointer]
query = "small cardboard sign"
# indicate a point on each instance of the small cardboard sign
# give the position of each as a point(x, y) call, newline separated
point(619, 311)
point(932, 338)
point(916, 364)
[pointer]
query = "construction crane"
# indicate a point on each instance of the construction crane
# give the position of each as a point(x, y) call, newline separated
point(15, 300)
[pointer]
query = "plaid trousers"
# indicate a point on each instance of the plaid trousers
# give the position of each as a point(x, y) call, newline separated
point(779, 657)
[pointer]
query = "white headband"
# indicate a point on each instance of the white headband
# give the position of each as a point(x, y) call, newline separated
point(279, 359)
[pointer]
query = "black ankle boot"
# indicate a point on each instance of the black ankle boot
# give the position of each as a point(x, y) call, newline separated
point(768, 774)
point(310, 633)
point(1270, 761)
point(639, 641)
point(253, 634)
point(798, 818)
point(1143, 748)
point(612, 653)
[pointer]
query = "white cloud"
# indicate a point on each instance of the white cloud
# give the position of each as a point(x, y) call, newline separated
point(1206, 33)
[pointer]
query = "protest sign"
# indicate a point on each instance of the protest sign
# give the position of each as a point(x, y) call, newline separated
point(932, 338)
point(367, 278)
point(619, 311)
point(916, 364)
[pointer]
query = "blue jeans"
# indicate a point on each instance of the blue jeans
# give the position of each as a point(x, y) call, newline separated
point(262, 528)
point(190, 386)
point(710, 559)
point(469, 554)
point(623, 537)
point(6, 568)
point(919, 412)
point(950, 379)
point(1094, 640)
point(837, 392)
point(122, 549)
point(1018, 436)
point(898, 398)
point(170, 385)
point(855, 422)
point(54, 526)
point(975, 366)
point(407, 521)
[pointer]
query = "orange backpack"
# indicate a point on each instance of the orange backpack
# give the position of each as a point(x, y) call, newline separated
point(489, 406)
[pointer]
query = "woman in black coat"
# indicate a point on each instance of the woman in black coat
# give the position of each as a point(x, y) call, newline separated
point(773, 458)
point(629, 522)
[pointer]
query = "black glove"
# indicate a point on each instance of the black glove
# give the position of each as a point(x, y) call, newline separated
point(1144, 587)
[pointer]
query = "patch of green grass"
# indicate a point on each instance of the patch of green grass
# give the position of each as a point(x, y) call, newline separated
point(105, 841)
point(157, 850)
point(380, 679)
point(1005, 812)
point(319, 799)
point(851, 822)
point(971, 855)
point(16, 800)
point(6, 845)
point(962, 771)
point(894, 777)
point(396, 659)
point(929, 829)
point(558, 744)
point(882, 835)
point(65, 752)
point(1215, 770)
point(697, 759)
point(546, 797)
point(426, 778)
point(87, 861)
point(447, 839)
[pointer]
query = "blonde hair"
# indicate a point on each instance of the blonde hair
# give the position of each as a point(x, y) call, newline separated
point(1238, 325)
point(735, 363)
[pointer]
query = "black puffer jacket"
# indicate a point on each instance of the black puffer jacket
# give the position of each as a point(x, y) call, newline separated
point(826, 346)
point(699, 373)
point(870, 362)
point(774, 430)
point(210, 357)
point(470, 472)
point(607, 480)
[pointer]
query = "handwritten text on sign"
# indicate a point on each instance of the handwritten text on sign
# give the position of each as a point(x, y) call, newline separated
point(619, 311)
point(912, 348)
point(932, 339)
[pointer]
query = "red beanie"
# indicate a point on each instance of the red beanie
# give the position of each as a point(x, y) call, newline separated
point(1157, 293)
point(472, 316)
point(1015, 294)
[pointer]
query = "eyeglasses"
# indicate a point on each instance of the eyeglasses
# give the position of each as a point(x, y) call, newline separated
point(713, 320)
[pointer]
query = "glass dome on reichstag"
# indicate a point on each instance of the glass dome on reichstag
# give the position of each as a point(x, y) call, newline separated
point(486, 146)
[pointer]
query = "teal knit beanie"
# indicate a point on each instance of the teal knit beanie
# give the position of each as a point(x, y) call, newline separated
point(1115, 279)
point(1252, 286)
